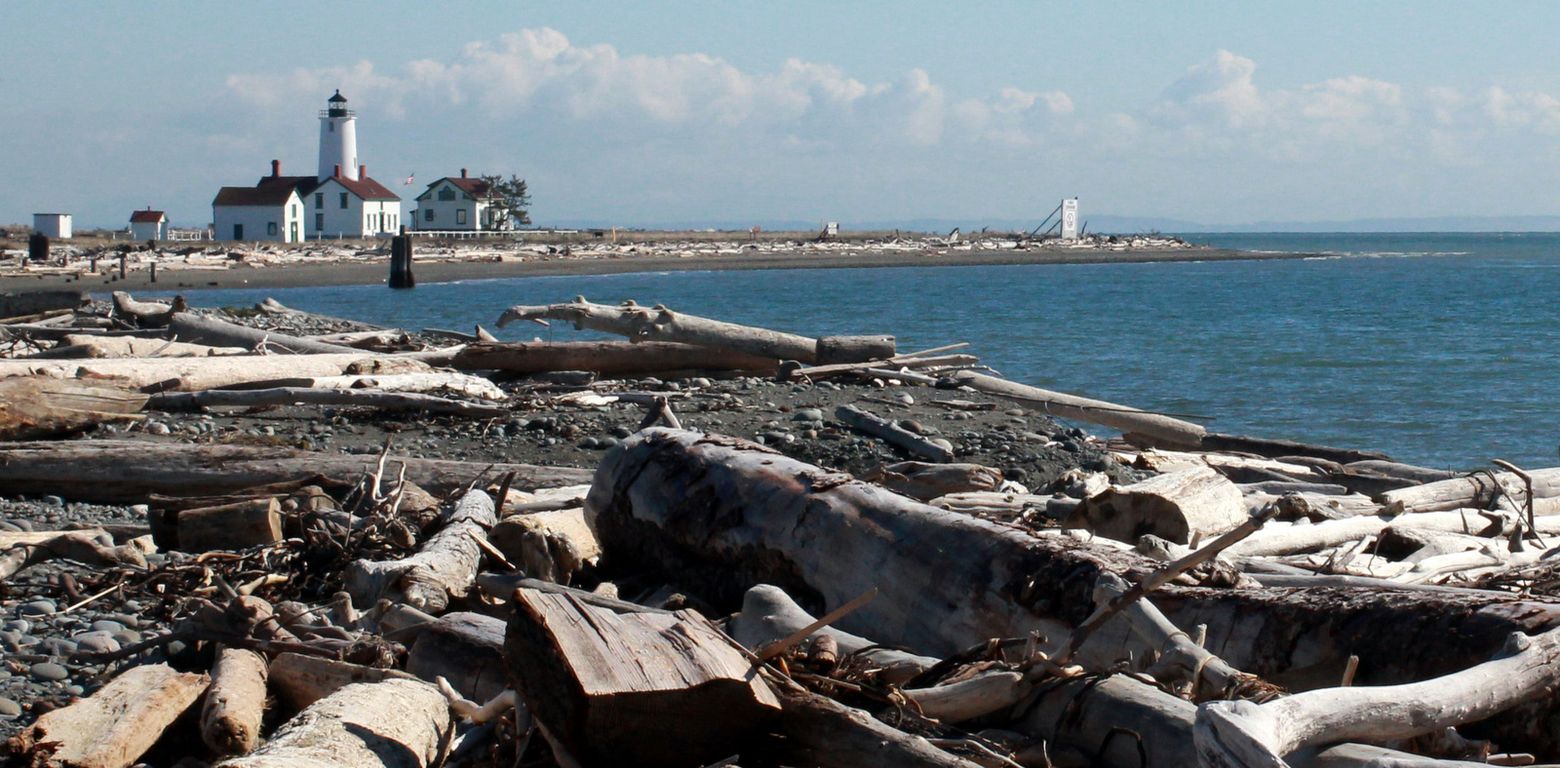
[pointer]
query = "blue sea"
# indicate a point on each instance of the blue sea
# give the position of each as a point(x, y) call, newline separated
point(1437, 349)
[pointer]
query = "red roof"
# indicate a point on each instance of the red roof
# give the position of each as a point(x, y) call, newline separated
point(275, 194)
point(365, 188)
point(474, 188)
point(304, 184)
point(147, 216)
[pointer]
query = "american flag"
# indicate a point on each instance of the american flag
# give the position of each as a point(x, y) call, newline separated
point(409, 179)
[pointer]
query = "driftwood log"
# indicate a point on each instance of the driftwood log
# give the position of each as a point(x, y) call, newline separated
point(892, 433)
point(1475, 490)
point(445, 566)
point(607, 358)
point(37, 407)
point(467, 649)
point(24, 549)
point(1179, 506)
point(720, 515)
point(240, 524)
point(300, 680)
point(146, 314)
point(923, 481)
point(128, 471)
point(665, 688)
point(661, 324)
point(388, 724)
point(196, 373)
point(230, 716)
point(74, 346)
point(220, 333)
point(1156, 428)
point(115, 726)
point(352, 398)
point(554, 545)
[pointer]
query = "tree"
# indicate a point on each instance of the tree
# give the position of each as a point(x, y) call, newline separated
point(508, 201)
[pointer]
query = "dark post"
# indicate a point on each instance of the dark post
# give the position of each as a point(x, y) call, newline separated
point(401, 261)
point(38, 248)
point(123, 257)
point(154, 270)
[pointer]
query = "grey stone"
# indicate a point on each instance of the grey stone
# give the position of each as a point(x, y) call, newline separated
point(96, 642)
point(49, 671)
point(9, 708)
point(807, 414)
point(58, 646)
point(39, 607)
point(107, 625)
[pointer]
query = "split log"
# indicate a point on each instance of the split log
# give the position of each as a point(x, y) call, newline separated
point(605, 358)
point(919, 480)
point(115, 726)
point(299, 680)
point(23, 549)
point(667, 689)
point(720, 515)
point(1156, 428)
point(1241, 733)
point(899, 361)
point(220, 333)
point(389, 724)
point(467, 649)
point(35, 407)
point(1475, 490)
point(147, 314)
point(892, 433)
point(661, 324)
point(445, 566)
point(238, 525)
point(128, 471)
point(230, 717)
point(350, 398)
point(77, 346)
point(195, 373)
point(1179, 506)
point(552, 546)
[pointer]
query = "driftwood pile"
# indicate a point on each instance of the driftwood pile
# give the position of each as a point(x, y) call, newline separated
point(1248, 602)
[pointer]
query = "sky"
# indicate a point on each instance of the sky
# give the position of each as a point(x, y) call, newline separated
point(646, 114)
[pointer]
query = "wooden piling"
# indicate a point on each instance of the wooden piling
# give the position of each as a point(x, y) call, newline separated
point(401, 261)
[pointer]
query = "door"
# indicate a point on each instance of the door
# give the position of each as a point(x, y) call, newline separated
point(238, 231)
point(294, 229)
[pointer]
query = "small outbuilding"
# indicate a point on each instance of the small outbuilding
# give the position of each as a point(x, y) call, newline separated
point(272, 213)
point(148, 225)
point(54, 225)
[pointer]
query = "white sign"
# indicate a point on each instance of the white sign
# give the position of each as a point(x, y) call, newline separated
point(1070, 219)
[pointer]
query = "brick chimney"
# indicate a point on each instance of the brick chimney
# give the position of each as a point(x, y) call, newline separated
point(362, 172)
point(463, 173)
point(337, 173)
point(276, 168)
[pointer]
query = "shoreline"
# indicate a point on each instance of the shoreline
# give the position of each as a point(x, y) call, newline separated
point(443, 270)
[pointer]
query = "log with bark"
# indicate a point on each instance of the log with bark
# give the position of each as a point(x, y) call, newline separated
point(661, 324)
point(388, 724)
point(240, 524)
point(127, 471)
point(445, 566)
point(606, 358)
point(230, 716)
point(350, 398)
point(220, 333)
point(36, 407)
point(666, 688)
point(113, 727)
point(1179, 506)
point(719, 515)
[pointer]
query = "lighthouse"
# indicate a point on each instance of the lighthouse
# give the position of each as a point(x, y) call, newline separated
point(338, 140)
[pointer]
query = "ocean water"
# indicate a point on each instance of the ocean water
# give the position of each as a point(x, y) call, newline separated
point(1438, 349)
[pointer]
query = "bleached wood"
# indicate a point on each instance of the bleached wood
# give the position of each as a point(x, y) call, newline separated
point(436, 382)
point(1191, 502)
point(608, 358)
point(146, 314)
point(388, 724)
point(661, 324)
point(445, 566)
point(350, 398)
point(299, 680)
point(23, 549)
point(769, 614)
point(892, 433)
point(196, 373)
point(1288, 538)
point(553, 545)
point(1474, 490)
point(1160, 429)
point(95, 346)
point(37, 407)
point(113, 727)
point(220, 333)
point(230, 716)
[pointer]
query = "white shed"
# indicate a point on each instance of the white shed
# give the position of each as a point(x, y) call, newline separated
point(55, 225)
point(272, 213)
point(148, 225)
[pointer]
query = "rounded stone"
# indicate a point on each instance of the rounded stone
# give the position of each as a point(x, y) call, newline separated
point(96, 642)
point(41, 607)
point(49, 671)
point(9, 708)
point(58, 646)
point(107, 625)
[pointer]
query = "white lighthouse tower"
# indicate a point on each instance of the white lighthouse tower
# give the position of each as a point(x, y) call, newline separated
point(338, 139)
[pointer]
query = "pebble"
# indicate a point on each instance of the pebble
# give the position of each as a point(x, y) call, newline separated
point(58, 646)
point(157, 428)
point(9, 708)
point(40, 607)
point(807, 414)
point(96, 642)
point(18, 625)
point(49, 671)
point(107, 625)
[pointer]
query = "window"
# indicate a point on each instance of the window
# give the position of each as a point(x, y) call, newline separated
point(343, 199)
point(427, 214)
point(294, 210)
point(319, 223)
point(319, 200)
point(270, 228)
point(238, 231)
point(460, 215)
point(446, 194)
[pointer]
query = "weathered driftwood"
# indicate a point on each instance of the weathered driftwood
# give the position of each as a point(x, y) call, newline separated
point(1282, 538)
point(300, 680)
point(113, 727)
point(33, 302)
point(769, 614)
point(445, 566)
point(237, 525)
point(923, 481)
point(436, 382)
point(606, 358)
point(467, 649)
point(36, 407)
point(24, 549)
point(697, 508)
point(357, 398)
point(1156, 428)
point(220, 333)
point(1178, 506)
point(518, 502)
point(76, 346)
point(898, 361)
point(819, 731)
point(892, 433)
point(553, 546)
point(195, 373)
point(230, 716)
point(1476, 491)
point(388, 724)
point(1241, 733)
point(127, 471)
point(666, 688)
point(1215, 441)
point(271, 306)
point(147, 314)
point(661, 324)
point(853, 349)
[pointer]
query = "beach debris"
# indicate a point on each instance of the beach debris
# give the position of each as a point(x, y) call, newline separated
point(115, 726)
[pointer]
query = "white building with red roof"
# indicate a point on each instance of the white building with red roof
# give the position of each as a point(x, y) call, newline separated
point(457, 203)
point(148, 225)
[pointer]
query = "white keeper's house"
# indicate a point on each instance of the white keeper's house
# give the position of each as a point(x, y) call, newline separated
point(457, 203)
